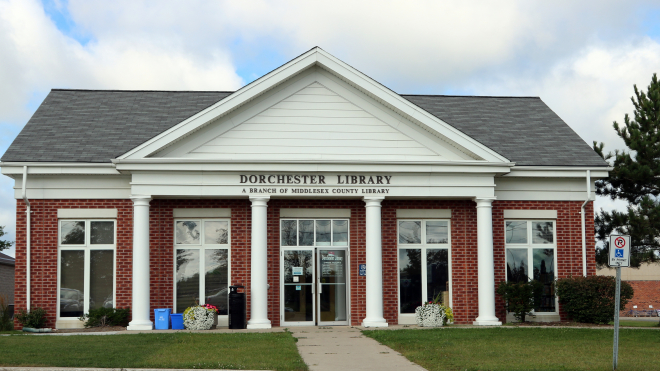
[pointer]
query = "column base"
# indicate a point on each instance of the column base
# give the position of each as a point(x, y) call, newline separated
point(371, 323)
point(258, 326)
point(254, 325)
point(140, 326)
point(487, 322)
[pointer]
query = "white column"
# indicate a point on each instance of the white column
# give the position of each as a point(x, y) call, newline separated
point(140, 307)
point(486, 263)
point(259, 265)
point(374, 261)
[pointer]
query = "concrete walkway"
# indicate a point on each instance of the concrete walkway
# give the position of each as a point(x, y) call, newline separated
point(345, 348)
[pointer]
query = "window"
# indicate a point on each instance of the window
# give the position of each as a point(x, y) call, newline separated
point(87, 266)
point(314, 232)
point(532, 244)
point(201, 263)
point(423, 262)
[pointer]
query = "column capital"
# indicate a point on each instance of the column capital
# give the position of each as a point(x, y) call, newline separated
point(259, 200)
point(484, 201)
point(373, 201)
point(141, 200)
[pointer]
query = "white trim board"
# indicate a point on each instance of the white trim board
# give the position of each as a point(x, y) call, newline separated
point(315, 213)
point(423, 213)
point(202, 213)
point(530, 214)
point(87, 213)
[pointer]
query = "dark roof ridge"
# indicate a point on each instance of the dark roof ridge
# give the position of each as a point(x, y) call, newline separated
point(469, 96)
point(148, 91)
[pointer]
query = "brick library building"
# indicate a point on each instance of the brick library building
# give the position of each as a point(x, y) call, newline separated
point(332, 199)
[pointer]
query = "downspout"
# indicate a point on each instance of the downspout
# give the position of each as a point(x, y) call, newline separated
point(27, 240)
point(584, 236)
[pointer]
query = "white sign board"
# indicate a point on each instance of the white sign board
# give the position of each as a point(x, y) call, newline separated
point(619, 251)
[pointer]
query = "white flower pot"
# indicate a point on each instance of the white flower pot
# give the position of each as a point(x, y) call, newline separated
point(429, 315)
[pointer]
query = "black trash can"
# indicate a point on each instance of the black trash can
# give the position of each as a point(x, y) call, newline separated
point(236, 308)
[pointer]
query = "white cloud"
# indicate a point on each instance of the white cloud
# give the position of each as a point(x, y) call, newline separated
point(581, 58)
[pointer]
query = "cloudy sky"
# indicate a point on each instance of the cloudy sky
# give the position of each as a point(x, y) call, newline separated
point(581, 57)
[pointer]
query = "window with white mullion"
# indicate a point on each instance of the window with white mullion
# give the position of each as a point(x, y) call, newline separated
point(86, 260)
point(314, 232)
point(531, 254)
point(201, 263)
point(424, 262)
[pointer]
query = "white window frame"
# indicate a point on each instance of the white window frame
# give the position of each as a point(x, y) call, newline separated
point(61, 322)
point(530, 246)
point(202, 247)
point(409, 318)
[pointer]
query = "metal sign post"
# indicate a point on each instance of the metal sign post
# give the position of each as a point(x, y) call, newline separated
point(619, 257)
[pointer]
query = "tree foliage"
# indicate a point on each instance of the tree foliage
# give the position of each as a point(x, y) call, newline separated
point(635, 179)
point(3, 243)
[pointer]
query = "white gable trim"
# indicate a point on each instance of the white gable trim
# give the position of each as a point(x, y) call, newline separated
point(288, 70)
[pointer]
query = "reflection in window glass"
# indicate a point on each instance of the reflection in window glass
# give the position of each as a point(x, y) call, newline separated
point(187, 278)
point(187, 232)
point(216, 278)
point(216, 232)
point(72, 283)
point(544, 272)
point(437, 274)
point(101, 277)
point(340, 232)
point(437, 232)
point(516, 265)
point(323, 233)
point(542, 232)
point(288, 232)
point(306, 234)
point(102, 233)
point(516, 232)
point(410, 232)
point(410, 276)
point(72, 232)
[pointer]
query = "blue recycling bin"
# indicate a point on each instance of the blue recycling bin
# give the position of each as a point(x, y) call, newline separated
point(177, 321)
point(162, 318)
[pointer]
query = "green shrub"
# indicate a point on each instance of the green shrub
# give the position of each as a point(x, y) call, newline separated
point(100, 317)
point(35, 318)
point(6, 324)
point(520, 298)
point(591, 299)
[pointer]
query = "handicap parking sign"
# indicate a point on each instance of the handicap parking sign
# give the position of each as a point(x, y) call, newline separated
point(618, 253)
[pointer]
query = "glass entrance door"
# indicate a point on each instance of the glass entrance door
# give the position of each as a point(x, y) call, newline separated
point(299, 281)
point(314, 288)
point(331, 297)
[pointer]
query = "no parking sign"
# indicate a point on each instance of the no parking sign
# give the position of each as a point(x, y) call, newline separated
point(619, 251)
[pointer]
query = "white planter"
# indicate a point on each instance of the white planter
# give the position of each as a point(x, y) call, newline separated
point(429, 315)
point(199, 318)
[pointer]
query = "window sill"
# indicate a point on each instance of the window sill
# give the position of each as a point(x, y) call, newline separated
point(66, 323)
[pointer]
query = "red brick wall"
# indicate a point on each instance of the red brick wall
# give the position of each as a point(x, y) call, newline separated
point(646, 293)
point(569, 239)
point(161, 245)
point(44, 251)
point(463, 240)
point(463, 230)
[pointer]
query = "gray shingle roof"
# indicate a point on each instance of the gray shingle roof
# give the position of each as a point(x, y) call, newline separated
point(7, 260)
point(523, 129)
point(97, 126)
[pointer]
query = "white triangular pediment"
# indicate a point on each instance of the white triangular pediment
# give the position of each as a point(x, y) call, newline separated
point(317, 123)
point(315, 108)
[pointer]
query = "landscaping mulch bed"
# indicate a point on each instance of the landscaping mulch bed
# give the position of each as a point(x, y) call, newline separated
point(92, 329)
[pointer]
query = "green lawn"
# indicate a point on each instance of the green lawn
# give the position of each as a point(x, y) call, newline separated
point(633, 323)
point(272, 351)
point(523, 348)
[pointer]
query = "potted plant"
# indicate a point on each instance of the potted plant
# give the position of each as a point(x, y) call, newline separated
point(200, 317)
point(433, 314)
